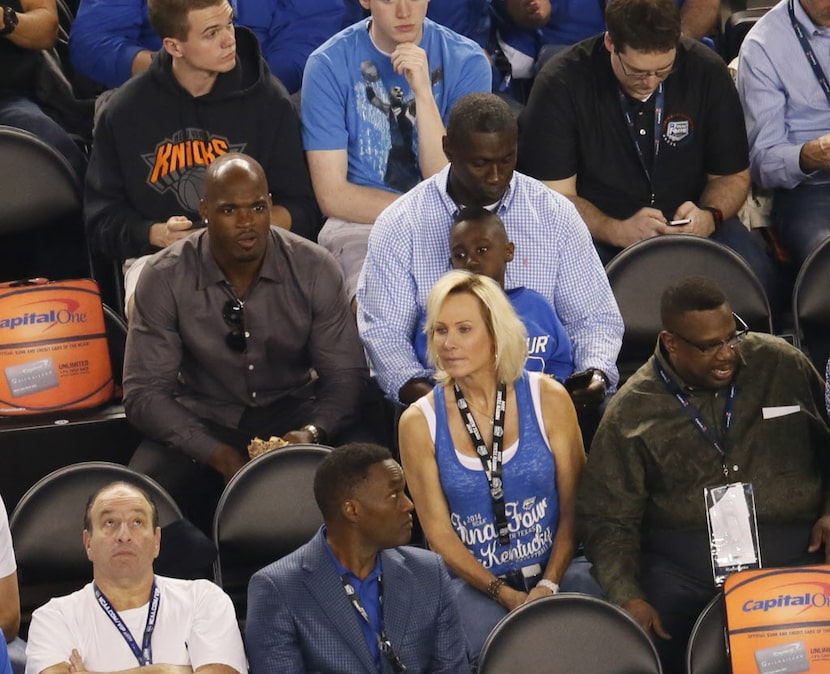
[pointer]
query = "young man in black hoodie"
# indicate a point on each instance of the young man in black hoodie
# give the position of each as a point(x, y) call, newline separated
point(207, 92)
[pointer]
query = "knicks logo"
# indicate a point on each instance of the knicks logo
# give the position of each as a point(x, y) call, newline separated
point(178, 164)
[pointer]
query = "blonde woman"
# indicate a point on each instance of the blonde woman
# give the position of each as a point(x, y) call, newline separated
point(492, 456)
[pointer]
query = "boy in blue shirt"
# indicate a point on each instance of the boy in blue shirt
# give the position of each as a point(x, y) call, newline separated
point(478, 243)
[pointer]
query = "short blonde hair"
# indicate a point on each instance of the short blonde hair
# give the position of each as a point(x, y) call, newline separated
point(504, 325)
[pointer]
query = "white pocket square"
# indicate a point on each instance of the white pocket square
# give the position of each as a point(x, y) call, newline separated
point(782, 411)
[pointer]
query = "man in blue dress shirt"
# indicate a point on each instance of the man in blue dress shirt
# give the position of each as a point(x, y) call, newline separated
point(355, 598)
point(786, 101)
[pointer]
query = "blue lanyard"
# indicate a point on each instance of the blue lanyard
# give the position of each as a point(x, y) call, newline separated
point(144, 655)
point(659, 102)
point(808, 52)
point(694, 414)
point(384, 644)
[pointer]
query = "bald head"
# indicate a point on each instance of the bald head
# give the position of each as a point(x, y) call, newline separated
point(119, 488)
point(233, 165)
point(236, 209)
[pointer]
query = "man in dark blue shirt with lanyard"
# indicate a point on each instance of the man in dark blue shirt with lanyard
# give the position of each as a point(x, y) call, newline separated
point(642, 129)
point(355, 598)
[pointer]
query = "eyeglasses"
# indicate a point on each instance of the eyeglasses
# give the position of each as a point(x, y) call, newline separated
point(234, 314)
point(643, 75)
point(741, 330)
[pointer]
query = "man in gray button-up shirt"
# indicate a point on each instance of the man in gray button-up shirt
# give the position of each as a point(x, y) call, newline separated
point(239, 330)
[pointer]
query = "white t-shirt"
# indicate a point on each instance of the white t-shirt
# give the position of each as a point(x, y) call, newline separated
point(7, 563)
point(196, 625)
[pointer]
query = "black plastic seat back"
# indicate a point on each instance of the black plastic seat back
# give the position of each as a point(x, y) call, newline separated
point(640, 273)
point(707, 652)
point(266, 512)
point(568, 633)
point(811, 306)
point(37, 185)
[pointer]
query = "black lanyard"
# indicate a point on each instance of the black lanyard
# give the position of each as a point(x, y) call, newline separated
point(808, 52)
point(659, 102)
point(384, 644)
point(694, 414)
point(490, 460)
point(144, 655)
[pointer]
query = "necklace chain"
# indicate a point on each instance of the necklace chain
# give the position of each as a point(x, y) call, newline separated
point(489, 418)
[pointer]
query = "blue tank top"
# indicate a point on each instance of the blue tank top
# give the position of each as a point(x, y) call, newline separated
point(529, 487)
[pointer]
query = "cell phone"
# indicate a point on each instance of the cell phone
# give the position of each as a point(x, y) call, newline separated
point(682, 221)
point(578, 380)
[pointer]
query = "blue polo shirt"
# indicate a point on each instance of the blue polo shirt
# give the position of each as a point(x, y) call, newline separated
point(367, 592)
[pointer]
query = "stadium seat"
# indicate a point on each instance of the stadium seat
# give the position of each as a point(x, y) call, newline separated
point(736, 27)
point(568, 633)
point(266, 511)
point(640, 273)
point(707, 652)
point(811, 306)
point(37, 185)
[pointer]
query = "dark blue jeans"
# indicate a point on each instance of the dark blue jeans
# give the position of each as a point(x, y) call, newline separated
point(801, 219)
point(18, 111)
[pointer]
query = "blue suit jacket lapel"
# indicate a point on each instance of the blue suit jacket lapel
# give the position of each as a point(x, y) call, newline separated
point(398, 588)
point(323, 583)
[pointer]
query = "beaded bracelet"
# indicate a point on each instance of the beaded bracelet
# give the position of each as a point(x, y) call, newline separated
point(494, 588)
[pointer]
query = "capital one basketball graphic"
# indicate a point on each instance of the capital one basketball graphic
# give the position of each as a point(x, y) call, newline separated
point(179, 163)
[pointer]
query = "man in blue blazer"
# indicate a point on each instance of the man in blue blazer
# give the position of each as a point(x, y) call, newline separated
point(350, 600)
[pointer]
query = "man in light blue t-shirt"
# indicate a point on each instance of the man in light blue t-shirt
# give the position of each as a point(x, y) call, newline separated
point(376, 98)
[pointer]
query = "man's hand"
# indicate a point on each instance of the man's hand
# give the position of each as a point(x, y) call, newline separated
point(644, 224)
point(227, 460)
point(510, 598)
point(163, 234)
point(410, 60)
point(590, 395)
point(76, 663)
point(815, 154)
point(821, 536)
point(645, 614)
point(414, 389)
point(76, 666)
point(529, 14)
point(702, 222)
point(298, 437)
point(538, 592)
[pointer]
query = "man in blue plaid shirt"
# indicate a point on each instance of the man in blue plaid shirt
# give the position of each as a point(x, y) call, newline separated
point(409, 251)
